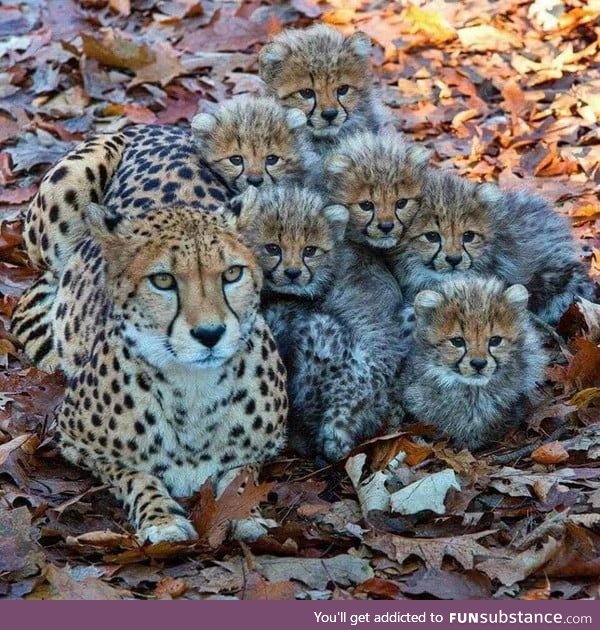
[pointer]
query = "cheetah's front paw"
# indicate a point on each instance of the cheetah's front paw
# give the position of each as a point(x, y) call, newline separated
point(333, 445)
point(172, 528)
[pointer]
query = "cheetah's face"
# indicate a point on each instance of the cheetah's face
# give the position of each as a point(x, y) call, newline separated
point(473, 333)
point(187, 289)
point(326, 76)
point(252, 142)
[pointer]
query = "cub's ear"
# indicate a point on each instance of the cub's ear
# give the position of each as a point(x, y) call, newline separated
point(517, 295)
point(203, 125)
point(103, 223)
point(337, 216)
point(337, 164)
point(418, 156)
point(270, 59)
point(488, 194)
point(426, 302)
point(239, 212)
point(295, 118)
point(360, 44)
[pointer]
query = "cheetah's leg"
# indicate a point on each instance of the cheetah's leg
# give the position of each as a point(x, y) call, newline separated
point(156, 516)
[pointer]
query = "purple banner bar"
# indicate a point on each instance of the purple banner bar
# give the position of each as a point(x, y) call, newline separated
point(294, 615)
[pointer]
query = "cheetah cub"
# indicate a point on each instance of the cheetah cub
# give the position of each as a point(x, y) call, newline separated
point(476, 360)
point(379, 178)
point(328, 77)
point(173, 376)
point(254, 141)
point(463, 229)
point(335, 312)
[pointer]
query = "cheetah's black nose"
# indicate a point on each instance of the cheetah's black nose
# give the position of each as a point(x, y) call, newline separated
point(386, 227)
point(293, 272)
point(208, 335)
point(329, 114)
point(478, 364)
point(255, 180)
point(454, 260)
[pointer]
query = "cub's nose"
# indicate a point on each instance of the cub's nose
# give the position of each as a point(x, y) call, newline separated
point(208, 335)
point(386, 227)
point(329, 114)
point(255, 180)
point(478, 364)
point(454, 259)
point(293, 272)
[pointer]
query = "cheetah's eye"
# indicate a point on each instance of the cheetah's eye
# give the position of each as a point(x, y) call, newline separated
point(273, 249)
point(458, 342)
point(433, 237)
point(343, 89)
point(401, 203)
point(163, 281)
point(468, 236)
point(495, 341)
point(236, 160)
point(307, 93)
point(309, 251)
point(272, 159)
point(233, 274)
point(367, 206)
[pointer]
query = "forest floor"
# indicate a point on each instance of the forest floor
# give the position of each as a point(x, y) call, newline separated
point(500, 90)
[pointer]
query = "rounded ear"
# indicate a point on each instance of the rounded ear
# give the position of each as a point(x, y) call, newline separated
point(360, 44)
point(240, 210)
point(488, 194)
point(102, 221)
point(203, 125)
point(337, 216)
point(426, 302)
point(517, 295)
point(295, 118)
point(337, 163)
point(418, 156)
point(270, 58)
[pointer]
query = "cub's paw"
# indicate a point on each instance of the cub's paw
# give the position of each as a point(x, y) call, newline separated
point(334, 444)
point(251, 529)
point(172, 528)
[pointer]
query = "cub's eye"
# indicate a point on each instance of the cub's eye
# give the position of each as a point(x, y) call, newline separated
point(236, 159)
point(458, 342)
point(495, 341)
point(433, 237)
point(272, 159)
point(233, 274)
point(309, 251)
point(307, 93)
point(272, 249)
point(468, 236)
point(367, 206)
point(343, 89)
point(163, 281)
point(401, 203)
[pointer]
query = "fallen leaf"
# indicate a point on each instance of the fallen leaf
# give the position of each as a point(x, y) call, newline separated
point(427, 493)
point(551, 453)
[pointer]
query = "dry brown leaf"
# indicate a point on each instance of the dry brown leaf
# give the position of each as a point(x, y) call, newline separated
point(170, 587)
point(551, 453)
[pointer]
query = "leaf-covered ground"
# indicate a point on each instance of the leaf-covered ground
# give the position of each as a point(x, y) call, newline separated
point(505, 90)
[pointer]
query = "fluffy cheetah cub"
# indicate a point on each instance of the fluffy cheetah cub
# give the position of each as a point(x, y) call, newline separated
point(476, 360)
point(335, 312)
point(327, 76)
point(173, 376)
point(380, 179)
point(463, 229)
point(254, 141)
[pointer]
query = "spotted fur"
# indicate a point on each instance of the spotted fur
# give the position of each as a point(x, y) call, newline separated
point(335, 311)
point(173, 376)
point(476, 360)
point(463, 229)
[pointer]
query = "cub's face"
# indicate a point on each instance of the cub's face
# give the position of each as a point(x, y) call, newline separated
point(293, 233)
point(472, 330)
point(187, 289)
point(319, 72)
point(252, 142)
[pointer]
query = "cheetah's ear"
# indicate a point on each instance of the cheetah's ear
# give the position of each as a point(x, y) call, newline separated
point(418, 156)
point(295, 118)
point(337, 164)
point(517, 295)
point(203, 125)
point(360, 44)
point(102, 221)
point(426, 302)
point(489, 194)
point(337, 216)
point(240, 210)
point(270, 59)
